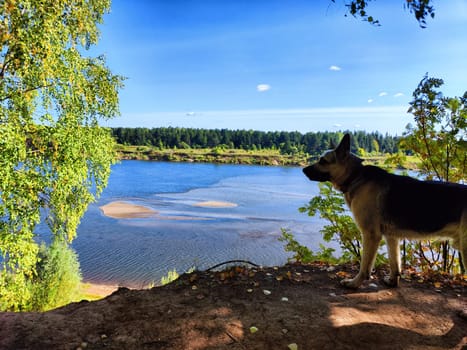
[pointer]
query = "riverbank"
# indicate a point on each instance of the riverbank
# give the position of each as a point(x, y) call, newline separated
point(208, 155)
point(289, 307)
point(239, 156)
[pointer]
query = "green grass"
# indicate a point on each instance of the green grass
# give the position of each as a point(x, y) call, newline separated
point(240, 156)
point(211, 155)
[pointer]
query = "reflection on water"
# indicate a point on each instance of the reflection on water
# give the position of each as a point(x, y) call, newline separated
point(136, 252)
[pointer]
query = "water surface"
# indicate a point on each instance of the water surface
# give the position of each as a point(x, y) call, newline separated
point(136, 252)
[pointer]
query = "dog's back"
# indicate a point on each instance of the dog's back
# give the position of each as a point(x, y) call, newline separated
point(420, 206)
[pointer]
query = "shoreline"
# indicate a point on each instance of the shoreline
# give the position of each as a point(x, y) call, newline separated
point(92, 291)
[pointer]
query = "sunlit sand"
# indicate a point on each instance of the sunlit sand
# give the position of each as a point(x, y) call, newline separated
point(98, 290)
point(215, 204)
point(125, 210)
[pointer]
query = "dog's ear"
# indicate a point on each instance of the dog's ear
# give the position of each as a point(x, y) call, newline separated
point(344, 147)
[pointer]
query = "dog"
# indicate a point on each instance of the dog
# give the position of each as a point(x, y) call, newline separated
point(393, 207)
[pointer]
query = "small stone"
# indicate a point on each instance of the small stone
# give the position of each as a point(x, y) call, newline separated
point(332, 295)
point(103, 336)
point(373, 285)
point(249, 290)
point(84, 345)
point(331, 269)
point(266, 292)
point(285, 331)
point(293, 346)
point(284, 299)
point(194, 287)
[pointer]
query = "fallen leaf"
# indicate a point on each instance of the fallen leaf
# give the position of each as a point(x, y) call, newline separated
point(342, 274)
point(253, 329)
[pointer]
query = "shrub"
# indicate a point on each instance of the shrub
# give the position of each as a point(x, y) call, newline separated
point(58, 280)
point(330, 205)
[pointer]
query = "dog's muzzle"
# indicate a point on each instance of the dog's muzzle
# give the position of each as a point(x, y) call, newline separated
point(315, 174)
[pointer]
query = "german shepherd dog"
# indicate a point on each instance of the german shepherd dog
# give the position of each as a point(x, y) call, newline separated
point(392, 206)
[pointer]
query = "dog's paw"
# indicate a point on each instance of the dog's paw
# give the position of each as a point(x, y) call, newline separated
point(353, 283)
point(391, 281)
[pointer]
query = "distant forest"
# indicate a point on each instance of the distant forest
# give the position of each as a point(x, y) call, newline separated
point(287, 142)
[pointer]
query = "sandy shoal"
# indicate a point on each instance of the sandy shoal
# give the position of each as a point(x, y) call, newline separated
point(99, 290)
point(215, 204)
point(125, 210)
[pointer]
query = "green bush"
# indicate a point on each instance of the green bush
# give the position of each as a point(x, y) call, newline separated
point(330, 205)
point(304, 254)
point(58, 280)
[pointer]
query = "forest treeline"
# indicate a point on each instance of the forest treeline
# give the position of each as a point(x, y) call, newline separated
point(287, 142)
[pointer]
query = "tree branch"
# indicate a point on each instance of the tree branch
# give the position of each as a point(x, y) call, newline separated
point(24, 91)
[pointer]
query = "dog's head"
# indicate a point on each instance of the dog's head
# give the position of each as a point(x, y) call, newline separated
point(335, 165)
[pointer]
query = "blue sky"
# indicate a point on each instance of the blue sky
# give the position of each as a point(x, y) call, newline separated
point(278, 65)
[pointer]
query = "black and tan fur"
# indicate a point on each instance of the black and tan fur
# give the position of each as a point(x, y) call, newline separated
point(393, 207)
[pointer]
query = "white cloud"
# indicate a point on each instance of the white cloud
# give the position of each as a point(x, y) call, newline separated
point(263, 87)
point(370, 100)
point(399, 94)
point(383, 93)
point(337, 125)
point(335, 68)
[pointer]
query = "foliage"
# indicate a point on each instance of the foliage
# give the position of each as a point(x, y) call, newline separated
point(172, 275)
point(292, 143)
point(439, 139)
point(439, 136)
point(420, 8)
point(58, 280)
point(429, 256)
point(302, 253)
point(330, 205)
point(55, 158)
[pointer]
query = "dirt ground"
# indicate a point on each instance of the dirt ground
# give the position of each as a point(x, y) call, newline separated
point(290, 307)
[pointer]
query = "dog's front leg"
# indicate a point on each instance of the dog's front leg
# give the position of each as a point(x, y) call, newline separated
point(394, 254)
point(370, 247)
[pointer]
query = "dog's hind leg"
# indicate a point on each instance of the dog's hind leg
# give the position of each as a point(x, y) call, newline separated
point(463, 242)
point(394, 255)
point(370, 247)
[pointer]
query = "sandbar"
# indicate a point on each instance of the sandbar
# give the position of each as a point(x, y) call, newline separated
point(215, 204)
point(125, 210)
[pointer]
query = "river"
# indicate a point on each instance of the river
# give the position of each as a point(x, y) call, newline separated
point(135, 252)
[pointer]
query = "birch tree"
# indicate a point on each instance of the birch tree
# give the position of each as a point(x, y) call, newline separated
point(55, 158)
